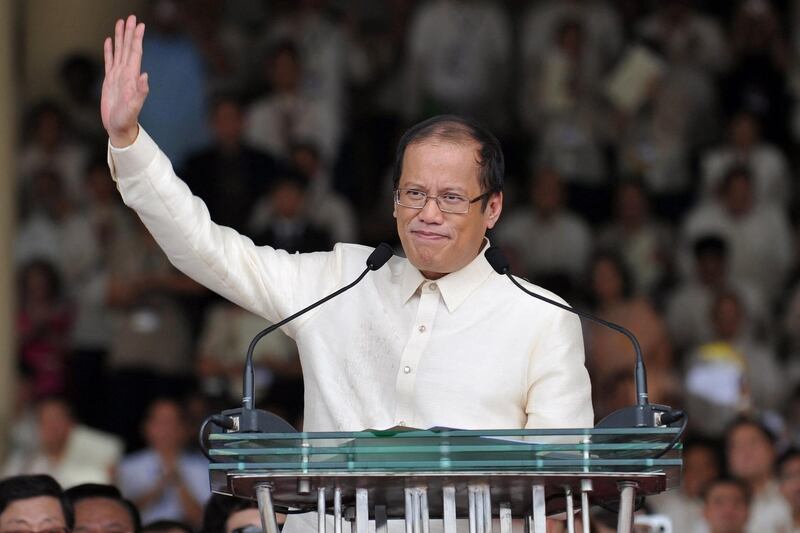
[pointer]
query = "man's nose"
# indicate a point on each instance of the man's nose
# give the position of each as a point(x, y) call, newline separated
point(430, 212)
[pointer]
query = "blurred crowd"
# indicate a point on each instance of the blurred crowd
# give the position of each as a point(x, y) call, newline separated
point(651, 180)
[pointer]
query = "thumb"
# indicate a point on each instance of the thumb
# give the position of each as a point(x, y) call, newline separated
point(142, 84)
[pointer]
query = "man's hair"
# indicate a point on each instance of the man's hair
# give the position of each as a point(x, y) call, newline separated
point(110, 492)
point(33, 486)
point(219, 508)
point(456, 129)
point(745, 420)
point(166, 525)
point(789, 455)
point(727, 480)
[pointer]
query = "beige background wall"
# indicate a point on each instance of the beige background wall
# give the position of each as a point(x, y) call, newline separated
point(53, 28)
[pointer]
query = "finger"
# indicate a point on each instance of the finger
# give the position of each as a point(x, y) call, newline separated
point(118, 28)
point(136, 49)
point(108, 54)
point(127, 38)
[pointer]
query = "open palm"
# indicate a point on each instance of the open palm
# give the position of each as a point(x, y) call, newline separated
point(125, 86)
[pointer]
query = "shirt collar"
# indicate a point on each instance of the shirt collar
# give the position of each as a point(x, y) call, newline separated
point(455, 287)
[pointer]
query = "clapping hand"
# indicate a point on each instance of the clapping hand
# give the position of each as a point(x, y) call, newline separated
point(125, 86)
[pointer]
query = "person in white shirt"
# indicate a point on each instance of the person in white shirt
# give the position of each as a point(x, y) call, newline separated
point(436, 338)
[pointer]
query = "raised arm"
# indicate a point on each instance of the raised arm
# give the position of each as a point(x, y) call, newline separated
point(125, 85)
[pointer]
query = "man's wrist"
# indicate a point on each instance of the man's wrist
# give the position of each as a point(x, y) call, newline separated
point(125, 138)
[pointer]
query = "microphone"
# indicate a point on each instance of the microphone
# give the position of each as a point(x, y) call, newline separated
point(249, 419)
point(643, 414)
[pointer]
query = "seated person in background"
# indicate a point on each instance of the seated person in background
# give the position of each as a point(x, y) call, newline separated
point(750, 449)
point(102, 509)
point(163, 480)
point(34, 503)
point(789, 478)
point(726, 507)
point(226, 514)
point(70, 452)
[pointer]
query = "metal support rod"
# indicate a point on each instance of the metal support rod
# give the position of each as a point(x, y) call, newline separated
point(539, 511)
point(570, 510)
point(505, 518)
point(479, 520)
point(627, 496)
point(473, 526)
point(527, 524)
point(362, 511)
point(321, 510)
point(449, 508)
point(487, 508)
point(586, 488)
point(416, 519)
point(381, 525)
point(423, 509)
point(409, 510)
point(264, 496)
point(337, 510)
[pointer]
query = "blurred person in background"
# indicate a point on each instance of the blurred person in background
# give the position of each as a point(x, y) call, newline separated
point(789, 477)
point(689, 303)
point(459, 61)
point(727, 508)
point(43, 324)
point(551, 243)
point(768, 166)
point(150, 352)
point(229, 175)
point(756, 234)
point(48, 147)
point(733, 373)
point(34, 503)
point(750, 451)
point(102, 509)
point(226, 514)
point(167, 526)
point(287, 115)
point(323, 205)
point(684, 505)
point(643, 241)
point(613, 298)
point(179, 78)
point(163, 480)
point(70, 452)
point(80, 77)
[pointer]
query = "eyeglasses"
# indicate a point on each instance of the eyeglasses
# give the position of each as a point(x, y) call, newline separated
point(447, 202)
point(250, 528)
point(49, 530)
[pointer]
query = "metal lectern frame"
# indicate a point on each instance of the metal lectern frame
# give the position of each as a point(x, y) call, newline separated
point(417, 475)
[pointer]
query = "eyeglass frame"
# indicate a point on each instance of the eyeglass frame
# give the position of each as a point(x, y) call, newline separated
point(430, 196)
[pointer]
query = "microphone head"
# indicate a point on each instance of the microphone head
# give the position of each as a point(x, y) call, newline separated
point(379, 256)
point(498, 260)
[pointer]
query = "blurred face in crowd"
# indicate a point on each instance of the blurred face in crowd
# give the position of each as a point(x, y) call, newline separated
point(288, 199)
point(632, 205)
point(55, 426)
point(710, 267)
point(699, 468)
point(726, 508)
point(102, 515)
point(438, 243)
point(48, 129)
point(164, 427)
point(744, 131)
point(285, 73)
point(243, 518)
point(41, 513)
point(606, 281)
point(790, 482)
point(306, 161)
point(547, 194)
point(737, 195)
point(750, 454)
point(228, 123)
point(100, 186)
point(727, 317)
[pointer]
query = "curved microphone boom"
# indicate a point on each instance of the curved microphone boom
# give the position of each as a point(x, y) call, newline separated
point(644, 413)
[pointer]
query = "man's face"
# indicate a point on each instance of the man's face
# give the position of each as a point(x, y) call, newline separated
point(164, 429)
point(243, 518)
point(101, 515)
point(726, 509)
point(699, 468)
point(790, 482)
point(750, 453)
point(438, 243)
point(41, 513)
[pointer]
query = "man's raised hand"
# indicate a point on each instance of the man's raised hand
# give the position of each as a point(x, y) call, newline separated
point(125, 86)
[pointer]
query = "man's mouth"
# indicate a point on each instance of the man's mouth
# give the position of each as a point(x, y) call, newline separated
point(428, 235)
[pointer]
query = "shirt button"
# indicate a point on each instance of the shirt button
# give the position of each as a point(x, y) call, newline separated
point(407, 369)
point(422, 328)
point(432, 287)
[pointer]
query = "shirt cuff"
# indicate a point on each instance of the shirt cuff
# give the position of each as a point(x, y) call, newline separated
point(134, 158)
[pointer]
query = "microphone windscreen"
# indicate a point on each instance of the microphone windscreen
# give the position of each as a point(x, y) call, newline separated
point(379, 256)
point(498, 260)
